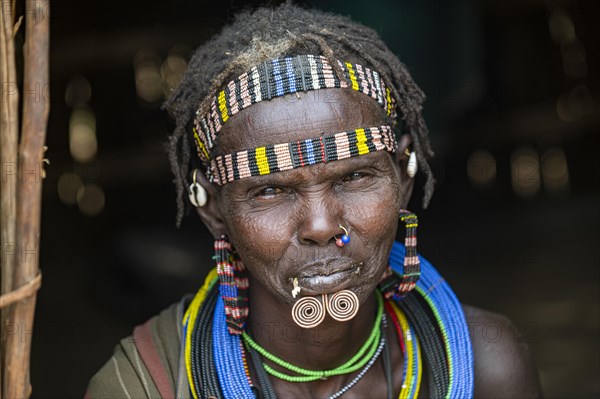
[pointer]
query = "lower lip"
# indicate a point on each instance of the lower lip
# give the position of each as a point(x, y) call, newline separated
point(315, 285)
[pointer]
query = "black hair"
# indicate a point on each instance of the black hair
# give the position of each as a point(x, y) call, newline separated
point(265, 33)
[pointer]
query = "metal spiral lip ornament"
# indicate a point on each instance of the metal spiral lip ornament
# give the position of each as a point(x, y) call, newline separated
point(309, 312)
point(343, 305)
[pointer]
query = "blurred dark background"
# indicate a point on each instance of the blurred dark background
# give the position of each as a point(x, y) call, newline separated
point(513, 110)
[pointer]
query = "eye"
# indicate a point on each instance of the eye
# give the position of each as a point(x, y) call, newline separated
point(268, 192)
point(355, 176)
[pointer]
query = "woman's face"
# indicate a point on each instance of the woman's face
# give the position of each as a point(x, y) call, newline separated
point(283, 225)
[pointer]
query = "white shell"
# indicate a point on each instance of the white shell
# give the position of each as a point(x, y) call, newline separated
point(197, 195)
point(412, 166)
point(296, 289)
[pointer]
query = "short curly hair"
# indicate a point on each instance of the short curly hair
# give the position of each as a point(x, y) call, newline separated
point(265, 33)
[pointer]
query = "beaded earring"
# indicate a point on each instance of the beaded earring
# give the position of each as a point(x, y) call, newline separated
point(393, 286)
point(233, 285)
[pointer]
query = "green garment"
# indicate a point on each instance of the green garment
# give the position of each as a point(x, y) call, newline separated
point(147, 364)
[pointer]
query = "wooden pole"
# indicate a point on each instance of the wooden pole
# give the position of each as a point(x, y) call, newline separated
point(29, 189)
point(9, 136)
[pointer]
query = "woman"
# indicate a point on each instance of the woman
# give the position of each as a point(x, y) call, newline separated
point(298, 138)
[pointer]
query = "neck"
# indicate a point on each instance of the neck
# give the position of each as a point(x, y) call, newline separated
point(324, 347)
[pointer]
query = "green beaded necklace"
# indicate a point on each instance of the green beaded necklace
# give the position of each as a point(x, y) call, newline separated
point(356, 362)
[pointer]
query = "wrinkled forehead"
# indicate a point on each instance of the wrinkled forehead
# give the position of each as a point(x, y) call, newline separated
point(298, 116)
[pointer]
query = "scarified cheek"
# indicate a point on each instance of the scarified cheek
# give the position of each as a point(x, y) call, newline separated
point(376, 210)
point(256, 240)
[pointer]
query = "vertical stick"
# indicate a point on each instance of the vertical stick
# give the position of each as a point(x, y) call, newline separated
point(29, 190)
point(9, 135)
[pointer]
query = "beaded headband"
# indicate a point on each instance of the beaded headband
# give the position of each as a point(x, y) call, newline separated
point(279, 77)
point(279, 157)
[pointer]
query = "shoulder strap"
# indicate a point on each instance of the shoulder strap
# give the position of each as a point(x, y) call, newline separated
point(157, 342)
point(146, 347)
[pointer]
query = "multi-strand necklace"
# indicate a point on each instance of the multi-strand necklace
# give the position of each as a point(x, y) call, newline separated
point(358, 361)
point(430, 326)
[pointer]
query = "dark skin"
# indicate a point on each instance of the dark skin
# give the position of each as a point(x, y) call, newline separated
point(283, 225)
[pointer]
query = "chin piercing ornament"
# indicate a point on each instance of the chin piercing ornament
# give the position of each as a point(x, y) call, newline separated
point(309, 312)
point(296, 289)
point(197, 193)
point(343, 305)
point(344, 239)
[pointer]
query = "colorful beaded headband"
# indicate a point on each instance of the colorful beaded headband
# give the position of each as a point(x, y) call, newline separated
point(279, 157)
point(279, 77)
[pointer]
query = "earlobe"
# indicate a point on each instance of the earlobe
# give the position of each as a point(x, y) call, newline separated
point(203, 196)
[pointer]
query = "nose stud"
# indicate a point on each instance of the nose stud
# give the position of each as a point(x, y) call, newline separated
point(344, 239)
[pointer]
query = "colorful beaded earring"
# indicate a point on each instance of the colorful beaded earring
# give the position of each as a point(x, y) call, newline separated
point(233, 285)
point(392, 285)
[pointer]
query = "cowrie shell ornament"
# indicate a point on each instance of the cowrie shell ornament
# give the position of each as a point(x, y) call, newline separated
point(197, 193)
point(412, 166)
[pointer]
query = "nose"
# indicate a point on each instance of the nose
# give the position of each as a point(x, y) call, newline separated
point(319, 222)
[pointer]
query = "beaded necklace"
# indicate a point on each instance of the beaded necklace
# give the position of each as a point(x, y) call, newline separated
point(362, 357)
point(411, 378)
point(216, 367)
point(360, 375)
point(412, 357)
point(447, 312)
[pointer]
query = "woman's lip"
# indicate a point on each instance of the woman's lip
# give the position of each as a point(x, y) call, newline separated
point(327, 267)
point(324, 284)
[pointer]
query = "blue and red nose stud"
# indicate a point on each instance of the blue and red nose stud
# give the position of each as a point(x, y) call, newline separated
point(343, 239)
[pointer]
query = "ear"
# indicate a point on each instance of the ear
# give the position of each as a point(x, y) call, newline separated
point(210, 214)
point(406, 182)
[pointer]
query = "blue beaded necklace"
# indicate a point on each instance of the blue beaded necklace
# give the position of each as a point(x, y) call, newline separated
point(227, 350)
point(451, 320)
